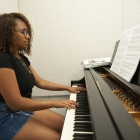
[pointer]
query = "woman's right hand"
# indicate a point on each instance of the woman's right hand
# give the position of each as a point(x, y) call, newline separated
point(69, 104)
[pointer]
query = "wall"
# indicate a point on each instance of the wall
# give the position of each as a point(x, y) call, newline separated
point(7, 6)
point(131, 13)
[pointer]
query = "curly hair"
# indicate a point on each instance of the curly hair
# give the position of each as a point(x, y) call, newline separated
point(7, 24)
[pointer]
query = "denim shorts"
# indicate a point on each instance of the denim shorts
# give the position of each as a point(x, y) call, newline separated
point(11, 121)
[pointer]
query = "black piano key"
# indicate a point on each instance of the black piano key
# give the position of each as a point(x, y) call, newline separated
point(86, 105)
point(82, 109)
point(81, 100)
point(81, 97)
point(82, 106)
point(86, 110)
point(83, 118)
point(82, 113)
point(83, 129)
point(82, 93)
point(78, 136)
point(82, 124)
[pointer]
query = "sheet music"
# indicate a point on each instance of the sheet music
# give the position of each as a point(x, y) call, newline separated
point(128, 54)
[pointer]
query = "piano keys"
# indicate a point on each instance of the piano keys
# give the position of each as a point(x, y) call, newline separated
point(113, 106)
point(77, 125)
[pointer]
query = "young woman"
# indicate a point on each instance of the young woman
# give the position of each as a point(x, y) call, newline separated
point(23, 118)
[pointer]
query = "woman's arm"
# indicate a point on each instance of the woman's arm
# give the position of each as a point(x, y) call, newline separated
point(11, 94)
point(44, 84)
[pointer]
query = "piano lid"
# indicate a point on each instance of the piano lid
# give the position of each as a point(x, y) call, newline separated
point(115, 49)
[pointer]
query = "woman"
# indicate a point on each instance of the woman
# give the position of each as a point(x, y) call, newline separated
point(23, 118)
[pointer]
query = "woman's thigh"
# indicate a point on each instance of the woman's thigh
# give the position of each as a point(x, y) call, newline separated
point(36, 130)
point(50, 118)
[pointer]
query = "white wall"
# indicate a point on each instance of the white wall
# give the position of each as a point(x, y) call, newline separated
point(68, 31)
point(131, 13)
point(7, 6)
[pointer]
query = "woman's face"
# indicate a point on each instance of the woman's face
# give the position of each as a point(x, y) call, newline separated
point(21, 35)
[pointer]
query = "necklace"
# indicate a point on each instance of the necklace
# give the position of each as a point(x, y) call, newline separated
point(24, 64)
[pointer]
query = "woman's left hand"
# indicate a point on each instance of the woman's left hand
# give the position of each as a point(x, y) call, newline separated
point(76, 89)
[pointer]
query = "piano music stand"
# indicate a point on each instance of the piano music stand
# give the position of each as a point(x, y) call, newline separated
point(136, 77)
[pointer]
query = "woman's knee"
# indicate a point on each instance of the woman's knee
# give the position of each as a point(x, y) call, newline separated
point(50, 118)
point(36, 130)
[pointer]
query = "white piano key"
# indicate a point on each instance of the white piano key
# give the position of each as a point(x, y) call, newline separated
point(73, 96)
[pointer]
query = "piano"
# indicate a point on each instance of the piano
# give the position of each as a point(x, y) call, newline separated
point(108, 110)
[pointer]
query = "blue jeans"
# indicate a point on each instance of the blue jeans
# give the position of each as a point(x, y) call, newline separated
point(11, 121)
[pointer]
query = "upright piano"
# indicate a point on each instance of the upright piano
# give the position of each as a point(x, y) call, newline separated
point(108, 110)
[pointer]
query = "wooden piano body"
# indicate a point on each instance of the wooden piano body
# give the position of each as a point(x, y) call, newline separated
point(113, 115)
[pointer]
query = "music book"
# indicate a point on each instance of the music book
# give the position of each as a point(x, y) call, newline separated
point(127, 55)
point(97, 62)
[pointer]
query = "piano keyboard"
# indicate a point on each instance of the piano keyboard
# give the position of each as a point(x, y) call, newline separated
point(77, 124)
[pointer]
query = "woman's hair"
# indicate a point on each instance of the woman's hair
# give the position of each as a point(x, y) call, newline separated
point(7, 24)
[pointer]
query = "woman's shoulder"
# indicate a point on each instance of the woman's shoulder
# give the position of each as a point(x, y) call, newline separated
point(5, 55)
point(6, 60)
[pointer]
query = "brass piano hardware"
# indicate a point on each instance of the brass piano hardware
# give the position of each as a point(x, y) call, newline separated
point(136, 116)
point(104, 75)
point(116, 91)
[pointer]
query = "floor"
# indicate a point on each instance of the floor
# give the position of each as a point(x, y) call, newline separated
point(61, 111)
